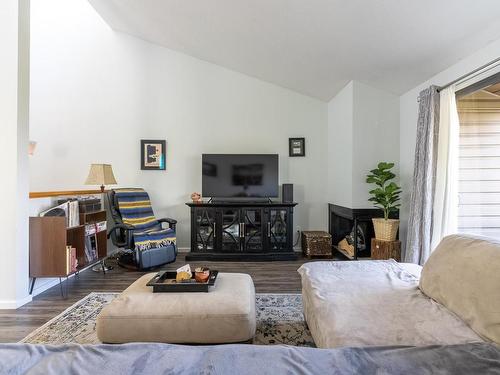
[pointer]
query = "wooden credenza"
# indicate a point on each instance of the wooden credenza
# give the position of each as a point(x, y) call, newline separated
point(48, 239)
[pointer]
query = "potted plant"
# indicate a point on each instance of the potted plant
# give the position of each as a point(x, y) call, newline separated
point(386, 197)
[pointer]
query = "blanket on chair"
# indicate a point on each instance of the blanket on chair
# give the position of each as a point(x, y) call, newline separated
point(135, 208)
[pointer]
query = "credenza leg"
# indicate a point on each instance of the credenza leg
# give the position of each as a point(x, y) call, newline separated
point(61, 287)
point(32, 284)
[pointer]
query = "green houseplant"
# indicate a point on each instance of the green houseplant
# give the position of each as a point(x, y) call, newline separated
point(385, 196)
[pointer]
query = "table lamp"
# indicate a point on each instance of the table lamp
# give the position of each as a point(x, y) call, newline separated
point(100, 174)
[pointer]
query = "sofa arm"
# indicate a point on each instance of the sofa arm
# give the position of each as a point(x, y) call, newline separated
point(171, 222)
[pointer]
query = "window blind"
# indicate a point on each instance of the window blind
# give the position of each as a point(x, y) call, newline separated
point(479, 164)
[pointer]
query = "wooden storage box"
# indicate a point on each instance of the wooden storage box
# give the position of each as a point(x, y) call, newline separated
point(316, 243)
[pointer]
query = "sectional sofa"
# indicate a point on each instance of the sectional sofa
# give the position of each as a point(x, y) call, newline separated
point(453, 299)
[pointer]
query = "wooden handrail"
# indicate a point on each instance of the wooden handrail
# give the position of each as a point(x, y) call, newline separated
point(48, 194)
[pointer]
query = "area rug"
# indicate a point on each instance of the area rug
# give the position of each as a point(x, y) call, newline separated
point(279, 321)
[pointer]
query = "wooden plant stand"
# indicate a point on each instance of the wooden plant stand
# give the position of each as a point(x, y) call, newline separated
point(386, 249)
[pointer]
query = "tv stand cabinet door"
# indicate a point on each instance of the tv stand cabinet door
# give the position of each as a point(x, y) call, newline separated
point(203, 234)
point(230, 230)
point(278, 229)
point(253, 229)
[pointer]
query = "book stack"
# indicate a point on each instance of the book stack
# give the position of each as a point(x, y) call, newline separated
point(71, 260)
point(90, 248)
point(73, 214)
point(89, 204)
point(92, 229)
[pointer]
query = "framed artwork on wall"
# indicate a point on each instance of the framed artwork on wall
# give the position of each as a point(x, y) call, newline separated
point(296, 146)
point(153, 154)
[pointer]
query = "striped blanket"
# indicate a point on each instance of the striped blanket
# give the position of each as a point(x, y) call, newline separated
point(135, 208)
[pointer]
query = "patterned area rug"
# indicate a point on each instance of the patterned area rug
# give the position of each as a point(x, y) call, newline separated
point(279, 321)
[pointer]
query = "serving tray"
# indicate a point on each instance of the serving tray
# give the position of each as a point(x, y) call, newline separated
point(164, 282)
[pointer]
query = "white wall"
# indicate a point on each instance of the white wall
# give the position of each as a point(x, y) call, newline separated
point(375, 138)
point(363, 129)
point(340, 138)
point(14, 89)
point(409, 113)
point(95, 93)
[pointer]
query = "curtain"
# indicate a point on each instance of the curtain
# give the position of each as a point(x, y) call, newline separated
point(444, 221)
point(418, 242)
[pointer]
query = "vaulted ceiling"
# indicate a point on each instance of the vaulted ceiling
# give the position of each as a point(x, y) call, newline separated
point(315, 46)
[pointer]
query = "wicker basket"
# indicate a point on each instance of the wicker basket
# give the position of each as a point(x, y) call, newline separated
point(385, 230)
point(316, 243)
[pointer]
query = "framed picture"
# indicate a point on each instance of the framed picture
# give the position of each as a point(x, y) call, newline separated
point(153, 154)
point(297, 146)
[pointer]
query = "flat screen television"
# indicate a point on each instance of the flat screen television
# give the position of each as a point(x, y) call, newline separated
point(240, 175)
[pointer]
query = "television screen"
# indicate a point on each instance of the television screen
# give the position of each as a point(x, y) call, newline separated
point(240, 175)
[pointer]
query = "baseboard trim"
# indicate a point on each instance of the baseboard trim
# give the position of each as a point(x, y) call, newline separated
point(242, 257)
point(188, 249)
point(14, 304)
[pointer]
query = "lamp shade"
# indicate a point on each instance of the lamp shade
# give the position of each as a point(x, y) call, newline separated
point(100, 174)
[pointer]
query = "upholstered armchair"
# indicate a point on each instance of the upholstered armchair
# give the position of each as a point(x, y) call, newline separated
point(123, 234)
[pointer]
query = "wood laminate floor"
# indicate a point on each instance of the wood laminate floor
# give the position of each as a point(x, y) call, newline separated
point(268, 277)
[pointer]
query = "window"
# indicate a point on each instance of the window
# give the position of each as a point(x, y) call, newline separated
point(479, 160)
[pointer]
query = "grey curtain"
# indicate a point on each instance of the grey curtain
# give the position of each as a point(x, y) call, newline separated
point(418, 242)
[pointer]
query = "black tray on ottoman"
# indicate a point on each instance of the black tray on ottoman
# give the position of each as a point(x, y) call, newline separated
point(164, 282)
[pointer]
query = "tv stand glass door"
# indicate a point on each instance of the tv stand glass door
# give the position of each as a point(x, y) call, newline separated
point(231, 230)
point(206, 227)
point(277, 232)
point(252, 235)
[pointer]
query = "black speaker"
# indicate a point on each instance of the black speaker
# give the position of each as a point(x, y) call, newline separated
point(287, 193)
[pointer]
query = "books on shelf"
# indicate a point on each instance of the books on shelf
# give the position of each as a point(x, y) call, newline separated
point(73, 214)
point(90, 248)
point(92, 229)
point(71, 260)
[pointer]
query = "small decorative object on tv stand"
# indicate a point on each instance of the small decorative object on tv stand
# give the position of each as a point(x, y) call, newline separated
point(241, 231)
point(196, 197)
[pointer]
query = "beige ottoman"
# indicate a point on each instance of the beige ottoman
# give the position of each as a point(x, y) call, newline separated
point(225, 314)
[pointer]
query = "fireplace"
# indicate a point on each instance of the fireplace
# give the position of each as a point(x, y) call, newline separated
point(354, 223)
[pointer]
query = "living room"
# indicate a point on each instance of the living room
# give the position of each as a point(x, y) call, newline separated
point(163, 96)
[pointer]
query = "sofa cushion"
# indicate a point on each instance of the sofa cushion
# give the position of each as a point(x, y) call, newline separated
point(463, 274)
point(371, 303)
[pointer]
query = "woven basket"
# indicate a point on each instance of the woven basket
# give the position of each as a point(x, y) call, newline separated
point(316, 243)
point(385, 230)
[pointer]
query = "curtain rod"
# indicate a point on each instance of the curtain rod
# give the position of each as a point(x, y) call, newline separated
point(468, 74)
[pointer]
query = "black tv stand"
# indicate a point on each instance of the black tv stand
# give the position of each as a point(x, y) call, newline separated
point(241, 202)
point(241, 231)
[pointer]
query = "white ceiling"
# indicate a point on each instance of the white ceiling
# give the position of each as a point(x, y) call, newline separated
point(315, 46)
